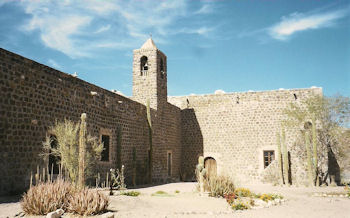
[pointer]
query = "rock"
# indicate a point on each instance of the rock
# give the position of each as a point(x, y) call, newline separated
point(60, 212)
point(108, 215)
point(53, 214)
point(269, 203)
point(260, 203)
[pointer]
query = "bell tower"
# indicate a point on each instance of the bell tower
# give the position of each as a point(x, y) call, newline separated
point(150, 75)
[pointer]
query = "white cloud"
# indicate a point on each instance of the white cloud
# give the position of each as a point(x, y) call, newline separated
point(200, 31)
point(219, 91)
point(297, 22)
point(205, 9)
point(54, 64)
point(103, 28)
point(75, 29)
point(60, 35)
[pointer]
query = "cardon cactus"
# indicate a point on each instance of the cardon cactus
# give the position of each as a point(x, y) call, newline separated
point(279, 158)
point(201, 173)
point(309, 159)
point(82, 151)
point(285, 158)
point(314, 146)
point(150, 132)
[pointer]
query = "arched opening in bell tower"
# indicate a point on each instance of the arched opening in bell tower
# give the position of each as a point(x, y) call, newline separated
point(143, 66)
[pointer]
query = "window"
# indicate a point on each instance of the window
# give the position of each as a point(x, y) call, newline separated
point(169, 160)
point(144, 65)
point(269, 156)
point(105, 139)
point(162, 72)
point(53, 160)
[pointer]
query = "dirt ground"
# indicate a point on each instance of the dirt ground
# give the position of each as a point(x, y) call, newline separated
point(300, 203)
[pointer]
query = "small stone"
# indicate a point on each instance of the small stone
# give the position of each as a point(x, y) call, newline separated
point(108, 215)
point(60, 212)
point(269, 203)
point(53, 214)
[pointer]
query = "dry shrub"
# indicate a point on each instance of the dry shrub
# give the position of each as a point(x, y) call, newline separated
point(219, 186)
point(46, 197)
point(88, 202)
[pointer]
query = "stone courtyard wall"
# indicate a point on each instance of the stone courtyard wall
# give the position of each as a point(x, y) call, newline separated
point(235, 129)
point(33, 96)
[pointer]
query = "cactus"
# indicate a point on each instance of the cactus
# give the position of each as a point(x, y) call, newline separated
point(98, 179)
point(201, 173)
point(309, 159)
point(314, 146)
point(134, 166)
point(119, 147)
point(31, 179)
point(150, 165)
point(82, 151)
point(285, 158)
point(279, 158)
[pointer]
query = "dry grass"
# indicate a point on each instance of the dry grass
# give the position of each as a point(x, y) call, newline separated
point(50, 196)
point(88, 202)
point(46, 197)
point(219, 186)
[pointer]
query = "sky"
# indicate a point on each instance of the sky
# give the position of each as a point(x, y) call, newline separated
point(230, 45)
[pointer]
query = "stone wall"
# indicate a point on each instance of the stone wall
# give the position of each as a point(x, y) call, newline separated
point(33, 96)
point(235, 129)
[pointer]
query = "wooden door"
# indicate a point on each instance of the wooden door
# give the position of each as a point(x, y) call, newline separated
point(210, 166)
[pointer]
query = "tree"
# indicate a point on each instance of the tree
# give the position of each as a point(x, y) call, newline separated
point(67, 135)
point(326, 120)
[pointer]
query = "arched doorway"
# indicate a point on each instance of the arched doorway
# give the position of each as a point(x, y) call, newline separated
point(210, 166)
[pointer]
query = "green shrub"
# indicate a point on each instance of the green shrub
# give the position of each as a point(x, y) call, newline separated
point(162, 194)
point(177, 191)
point(239, 205)
point(269, 197)
point(243, 192)
point(46, 197)
point(131, 193)
point(88, 202)
point(219, 186)
point(67, 150)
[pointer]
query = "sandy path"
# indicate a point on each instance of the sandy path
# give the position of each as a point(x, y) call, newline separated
point(300, 203)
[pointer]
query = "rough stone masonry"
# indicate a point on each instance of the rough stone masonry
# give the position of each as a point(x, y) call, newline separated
point(234, 129)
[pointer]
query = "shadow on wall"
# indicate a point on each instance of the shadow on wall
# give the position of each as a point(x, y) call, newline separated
point(192, 144)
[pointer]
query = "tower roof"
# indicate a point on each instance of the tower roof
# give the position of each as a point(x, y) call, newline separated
point(149, 44)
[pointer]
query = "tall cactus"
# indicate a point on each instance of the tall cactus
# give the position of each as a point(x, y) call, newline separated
point(279, 158)
point(309, 159)
point(285, 158)
point(134, 166)
point(150, 165)
point(119, 147)
point(314, 146)
point(201, 172)
point(82, 151)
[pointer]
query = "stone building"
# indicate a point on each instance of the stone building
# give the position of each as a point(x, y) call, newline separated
point(236, 132)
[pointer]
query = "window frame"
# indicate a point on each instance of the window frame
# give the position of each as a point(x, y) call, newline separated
point(270, 157)
point(106, 132)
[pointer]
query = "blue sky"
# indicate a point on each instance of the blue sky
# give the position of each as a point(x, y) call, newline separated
point(232, 45)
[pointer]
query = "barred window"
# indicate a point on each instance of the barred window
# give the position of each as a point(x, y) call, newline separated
point(269, 156)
